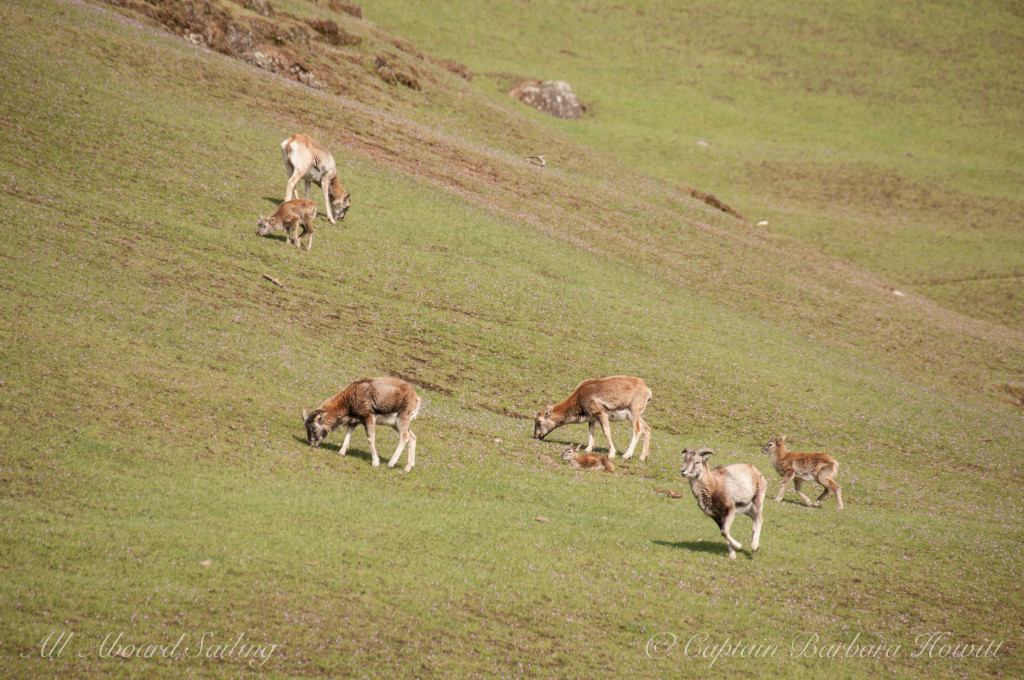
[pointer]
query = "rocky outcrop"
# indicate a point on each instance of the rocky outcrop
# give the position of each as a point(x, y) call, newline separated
point(554, 97)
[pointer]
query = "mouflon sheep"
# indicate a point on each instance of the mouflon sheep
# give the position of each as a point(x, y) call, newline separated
point(370, 402)
point(801, 467)
point(305, 159)
point(724, 492)
point(601, 400)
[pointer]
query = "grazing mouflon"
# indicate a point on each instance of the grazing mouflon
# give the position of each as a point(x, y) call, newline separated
point(307, 160)
point(601, 400)
point(291, 215)
point(370, 402)
point(801, 467)
point(724, 492)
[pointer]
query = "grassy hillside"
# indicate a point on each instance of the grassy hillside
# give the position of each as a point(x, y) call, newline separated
point(888, 136)
point(157, 485)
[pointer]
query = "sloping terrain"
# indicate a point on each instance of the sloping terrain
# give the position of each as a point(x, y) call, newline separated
point(887, 136)
point(156, 479)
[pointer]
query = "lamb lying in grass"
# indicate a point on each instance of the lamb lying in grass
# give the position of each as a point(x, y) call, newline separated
point(801, 467)
point(586, 461)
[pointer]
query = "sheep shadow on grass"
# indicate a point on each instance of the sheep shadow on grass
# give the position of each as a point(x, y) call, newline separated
point(796, 501)
point(603, 450)
point(709, 547)
point(353, 452)
point(274, 237)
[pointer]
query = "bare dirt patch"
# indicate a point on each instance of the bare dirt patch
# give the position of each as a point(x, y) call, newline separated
point(312, 51)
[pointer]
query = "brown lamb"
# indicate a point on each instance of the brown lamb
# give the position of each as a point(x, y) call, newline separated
point(801, 467)
point(291, 215)
point(586, 461)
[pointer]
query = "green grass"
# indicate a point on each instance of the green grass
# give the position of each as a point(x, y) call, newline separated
point(887, 136)
point(153, 380)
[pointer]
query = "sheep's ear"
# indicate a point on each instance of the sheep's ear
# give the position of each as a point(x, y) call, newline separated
point(305, 414)
point(782, 439)
point(547, 410)
point(684, 452)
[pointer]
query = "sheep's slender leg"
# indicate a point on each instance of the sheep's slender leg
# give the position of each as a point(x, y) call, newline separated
point(410, 462)
point(797, 484)
point(289, 193)
point(307, 189)
point(758, 517)
point(606, 428)
point(757, 507)
point(824, 493)
point(370, 423)
point(590, 437)
point(733, 544)
point(634, 421)
point(403, 438)
point(647, 439)
point(325, 184)
point(829, 484)
point(782, 487)
point(348, 438)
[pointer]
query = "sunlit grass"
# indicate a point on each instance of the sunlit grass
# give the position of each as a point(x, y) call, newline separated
point(156, 482)
point(888, 136)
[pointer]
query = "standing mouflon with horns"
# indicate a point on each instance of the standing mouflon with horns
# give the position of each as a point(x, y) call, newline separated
point(724, 492)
